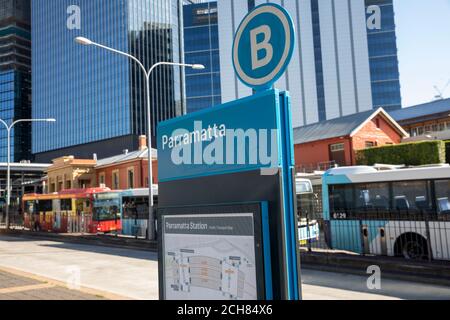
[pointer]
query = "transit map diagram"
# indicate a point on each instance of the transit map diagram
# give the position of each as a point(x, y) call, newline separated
point(216, 267)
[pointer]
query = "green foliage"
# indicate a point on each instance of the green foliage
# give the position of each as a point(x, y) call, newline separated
point(410, 154)
point(447, 151)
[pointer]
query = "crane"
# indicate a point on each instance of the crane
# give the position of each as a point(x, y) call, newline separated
point(440, 95)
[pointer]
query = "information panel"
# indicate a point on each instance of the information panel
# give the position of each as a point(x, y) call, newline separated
point(214, 255)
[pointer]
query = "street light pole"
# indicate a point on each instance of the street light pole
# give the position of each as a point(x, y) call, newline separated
point(8, 175)
point(86, 42)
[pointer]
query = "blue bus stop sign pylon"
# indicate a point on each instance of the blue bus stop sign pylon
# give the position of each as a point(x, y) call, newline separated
point(262, 50)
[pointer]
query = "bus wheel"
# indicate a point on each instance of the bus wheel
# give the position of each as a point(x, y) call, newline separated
point(413, 247)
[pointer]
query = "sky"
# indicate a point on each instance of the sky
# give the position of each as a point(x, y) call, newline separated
point(423, 38)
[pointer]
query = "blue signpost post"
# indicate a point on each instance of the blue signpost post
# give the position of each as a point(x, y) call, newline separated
point(227, 222)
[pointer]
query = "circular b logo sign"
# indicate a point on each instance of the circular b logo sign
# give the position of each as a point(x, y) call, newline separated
point(263, 46)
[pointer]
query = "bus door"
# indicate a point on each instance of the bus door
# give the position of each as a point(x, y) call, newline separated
point(86, 215)
point(308, 229)
point(365, 239)
point(65, 212)
point(56, 215)
point(76, 216)
point(44, 209)
point(29, 209)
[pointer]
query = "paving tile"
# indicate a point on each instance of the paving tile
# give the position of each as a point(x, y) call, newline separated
point(18, 286)
point(9, 280)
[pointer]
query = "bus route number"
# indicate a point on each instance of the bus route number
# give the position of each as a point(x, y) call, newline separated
point(339, 215)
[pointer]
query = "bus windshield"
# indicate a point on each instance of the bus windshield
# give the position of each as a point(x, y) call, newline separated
point(106, 207)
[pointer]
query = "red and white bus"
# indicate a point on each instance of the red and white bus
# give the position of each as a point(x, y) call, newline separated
point(94, 210)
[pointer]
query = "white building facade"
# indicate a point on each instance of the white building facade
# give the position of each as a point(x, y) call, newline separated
point(330, 73)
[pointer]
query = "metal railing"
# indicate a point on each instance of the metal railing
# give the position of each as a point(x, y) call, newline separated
point(321, 166)
point(16, 219)
point(414, 235)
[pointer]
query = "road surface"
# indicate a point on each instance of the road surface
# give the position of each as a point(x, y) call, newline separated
point(134, 274)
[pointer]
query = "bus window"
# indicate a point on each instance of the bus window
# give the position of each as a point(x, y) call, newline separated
point(44, 205)
point(412, 197)
point(129, 209)
point(107, 207)
point(372, 196)
point(442, 188)
point(66, 205)
point(341, 198)
point(30, 207)
point(135, 208)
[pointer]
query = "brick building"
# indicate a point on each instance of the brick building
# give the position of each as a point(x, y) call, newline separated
point(128, 170)
point(335, 142)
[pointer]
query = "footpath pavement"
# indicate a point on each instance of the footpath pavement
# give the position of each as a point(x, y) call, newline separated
point(417, 271)
point(16, 285)
point(134, 273)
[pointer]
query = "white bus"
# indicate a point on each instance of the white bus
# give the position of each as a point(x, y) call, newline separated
point(136, 211)
point(398, 212)
point(308, 229)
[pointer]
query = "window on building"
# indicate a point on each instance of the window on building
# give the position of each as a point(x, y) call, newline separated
point(102, 179)
point(131, 178)
point(420, 131)
point(370, 144)
point(83, 184)
point(115, 180)
point(378, 123)
point(442, 126)
point(427, 129)
point(337, 154)
point(337, 147)
point(434, 128)
point(68, 184)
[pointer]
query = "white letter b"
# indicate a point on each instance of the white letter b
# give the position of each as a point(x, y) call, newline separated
point(263, 45)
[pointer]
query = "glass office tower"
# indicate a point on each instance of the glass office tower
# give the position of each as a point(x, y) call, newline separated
point(15, 77)
point(201, 45)
point(384, 71)
point(98, 97)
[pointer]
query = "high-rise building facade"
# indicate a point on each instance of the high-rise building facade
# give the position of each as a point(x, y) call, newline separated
point(382, 39)
point(201, 45)
point(98, 98)
point(337, 68)
point(15, 77)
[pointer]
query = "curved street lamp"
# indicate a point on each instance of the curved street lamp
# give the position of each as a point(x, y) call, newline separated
point(87, 42)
